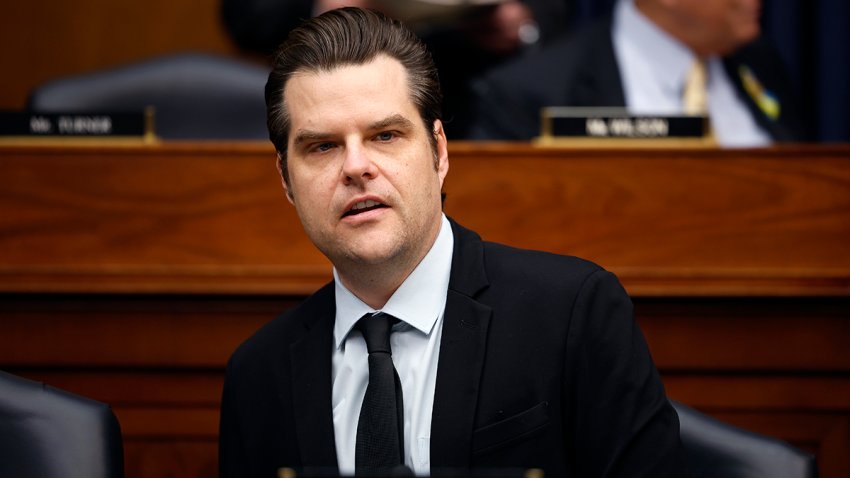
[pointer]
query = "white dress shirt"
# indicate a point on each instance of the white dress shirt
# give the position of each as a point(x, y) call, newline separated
point(419, 303)
point(653, 66)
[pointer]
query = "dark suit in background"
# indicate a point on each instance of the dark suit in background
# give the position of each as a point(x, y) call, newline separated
point(582, 70)
point(541, 366)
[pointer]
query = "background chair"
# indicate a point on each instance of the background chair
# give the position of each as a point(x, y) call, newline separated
point(48, 433)
point(719, 450)
point(195, 96)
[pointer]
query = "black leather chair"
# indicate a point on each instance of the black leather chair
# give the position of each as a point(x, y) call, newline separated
point(48, 433)
point(195, 96)
point(719, 450)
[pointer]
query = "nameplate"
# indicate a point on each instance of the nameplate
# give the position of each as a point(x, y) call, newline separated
point(29, 124)
point(614, 123)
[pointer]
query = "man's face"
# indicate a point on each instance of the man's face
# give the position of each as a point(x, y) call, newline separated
point(719, 27)
point(363, 175)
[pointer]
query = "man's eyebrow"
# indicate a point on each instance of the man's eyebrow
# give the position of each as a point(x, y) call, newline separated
point(304, 135)
point(395, 120)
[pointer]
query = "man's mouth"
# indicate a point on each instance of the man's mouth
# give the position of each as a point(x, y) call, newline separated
point(363, 206)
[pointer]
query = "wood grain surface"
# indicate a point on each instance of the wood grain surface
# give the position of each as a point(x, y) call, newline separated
point(129, 273)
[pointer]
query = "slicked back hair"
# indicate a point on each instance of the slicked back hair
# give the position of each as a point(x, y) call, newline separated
point(343, 37)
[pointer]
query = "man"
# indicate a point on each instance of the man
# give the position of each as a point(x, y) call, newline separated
point(642, 58)
point(503, 357)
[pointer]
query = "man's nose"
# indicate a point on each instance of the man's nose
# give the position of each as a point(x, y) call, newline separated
point(357, 165)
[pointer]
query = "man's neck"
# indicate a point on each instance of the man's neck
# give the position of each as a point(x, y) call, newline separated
point(663, 18)
point(374, 284)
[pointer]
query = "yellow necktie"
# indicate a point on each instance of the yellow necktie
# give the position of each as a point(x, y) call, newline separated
point(694, 95)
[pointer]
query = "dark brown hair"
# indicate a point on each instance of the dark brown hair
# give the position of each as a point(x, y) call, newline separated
point(349, 36)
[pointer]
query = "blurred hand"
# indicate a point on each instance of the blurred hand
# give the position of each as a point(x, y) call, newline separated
point(321, 6)
point(504, 28)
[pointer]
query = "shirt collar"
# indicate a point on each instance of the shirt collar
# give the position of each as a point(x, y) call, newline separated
point(419, 300)
point(667, 58)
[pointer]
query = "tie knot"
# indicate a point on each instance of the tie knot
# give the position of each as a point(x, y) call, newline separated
point(376, 331)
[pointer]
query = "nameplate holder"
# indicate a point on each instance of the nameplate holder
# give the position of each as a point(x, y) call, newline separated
point(616, 125)
point(32, 125)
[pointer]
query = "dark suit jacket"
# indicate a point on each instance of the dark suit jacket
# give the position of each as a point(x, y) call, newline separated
point(541, 366)
point(582, 70)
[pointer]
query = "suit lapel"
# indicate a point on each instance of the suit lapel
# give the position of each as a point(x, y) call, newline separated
point(598, 81)
point(462, 349)
point(312, 387)
point(775, 129)
point(730, 67)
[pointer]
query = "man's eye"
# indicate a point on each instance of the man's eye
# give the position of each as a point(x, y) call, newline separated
point(385, 136)
point(323, 147)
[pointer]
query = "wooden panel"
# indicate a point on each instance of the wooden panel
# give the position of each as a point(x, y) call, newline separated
point(765, 392)
point(212, 218)
point(143, 331)
point(825, 435)
point(135, 387)
point(699, 222)
point(178, 458)
point(130, 273)
point(158, 360)
point(716, 334)
point(151, 219)
point(40, 41)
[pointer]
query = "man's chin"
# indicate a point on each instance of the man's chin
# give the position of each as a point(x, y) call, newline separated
point(368, 249)
point(373, 256)
point(748, 33)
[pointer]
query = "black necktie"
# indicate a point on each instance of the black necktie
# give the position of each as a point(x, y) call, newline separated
point(380, 430)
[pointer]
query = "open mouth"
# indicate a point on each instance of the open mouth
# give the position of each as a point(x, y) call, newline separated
point(363, 206)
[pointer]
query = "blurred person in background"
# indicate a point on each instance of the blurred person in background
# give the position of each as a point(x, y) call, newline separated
point(642, 58)
point(463, 49)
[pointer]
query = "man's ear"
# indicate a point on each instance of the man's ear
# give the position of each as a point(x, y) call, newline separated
point(282, 174)
point(441, 151)
point(288, 192)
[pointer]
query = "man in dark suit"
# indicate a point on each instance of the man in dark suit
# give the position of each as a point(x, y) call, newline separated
point(502, 358)
point(639, 59)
